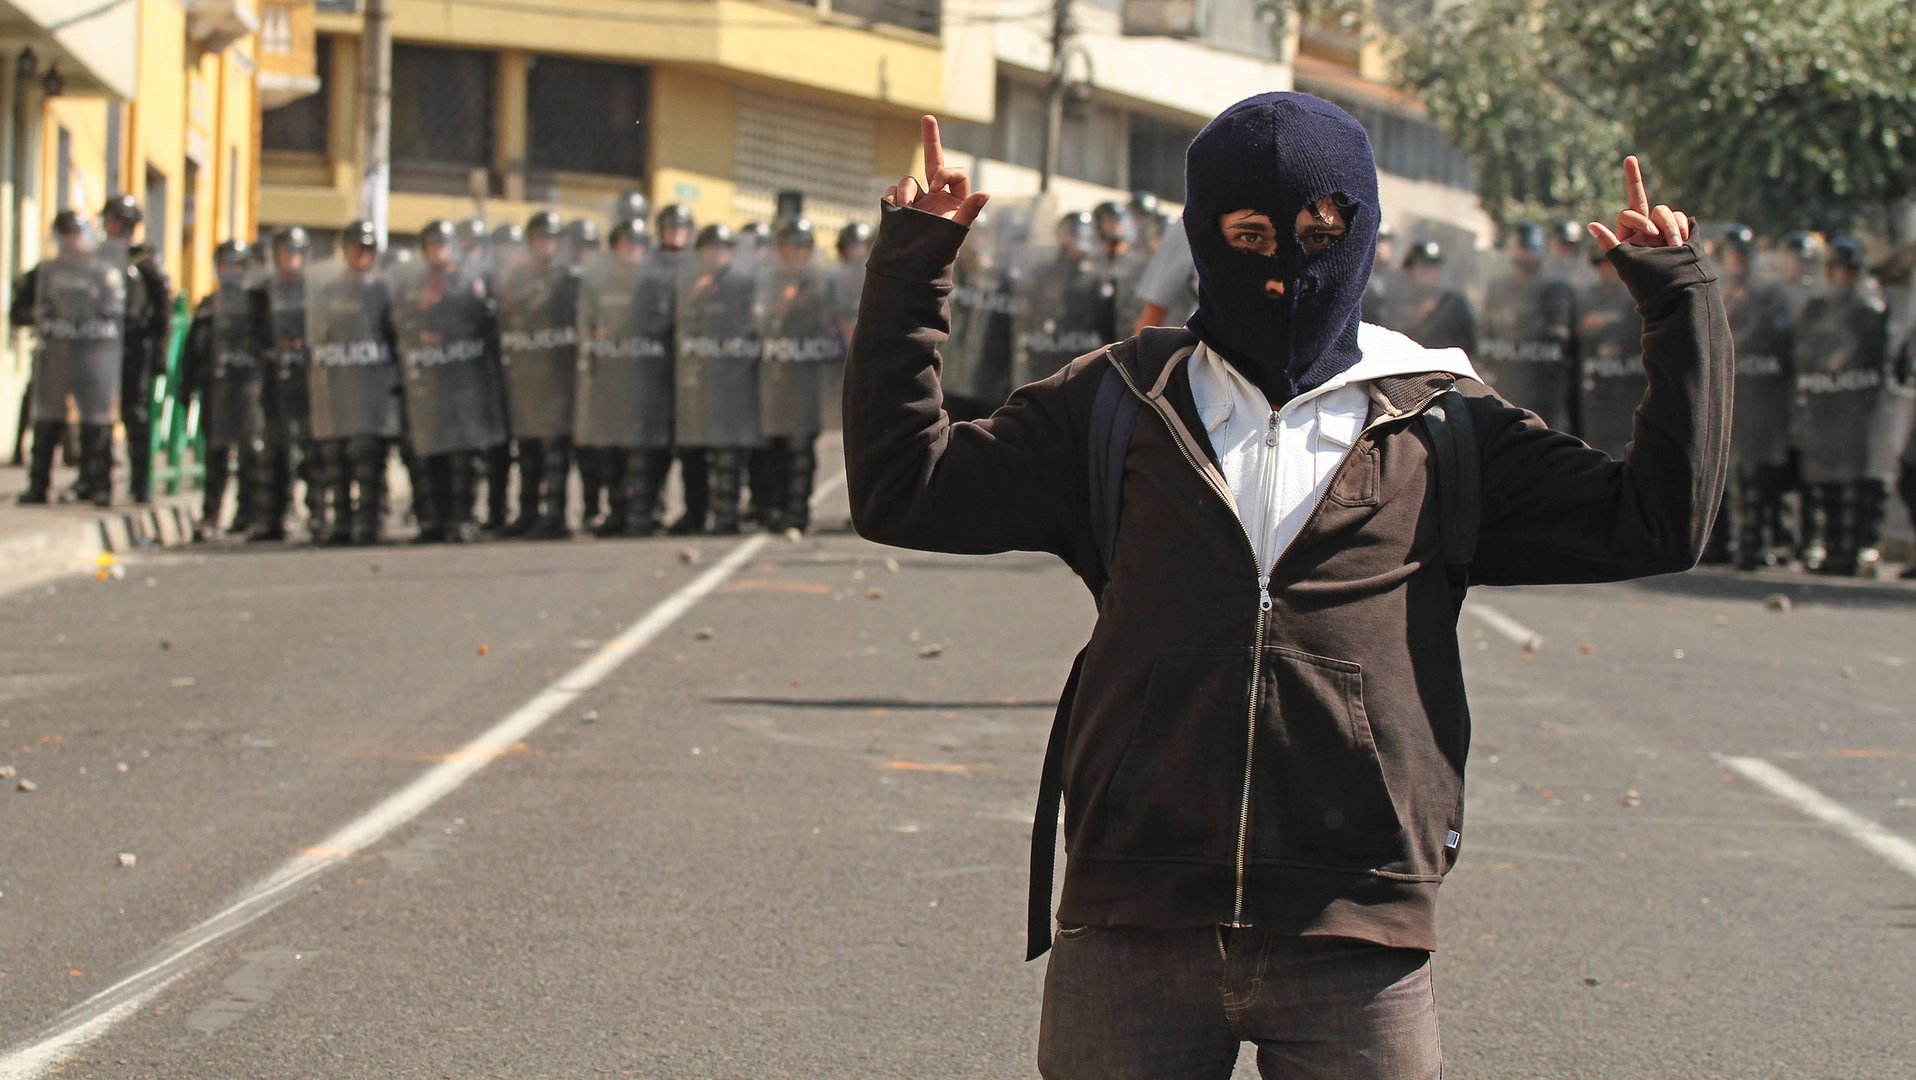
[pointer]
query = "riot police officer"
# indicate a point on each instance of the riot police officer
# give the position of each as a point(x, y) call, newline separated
point(1609, 361)
point(1067, 307)
point(1840, 348)
point(804, 341)
point(1525, 334)
point(1385, 287)
point(149, 322)
point(1123, 263)
point(538, 346)
point(443, 324)
point(78, 300)
point(290, 452)
point(625, 378)
point(1754, 528)
point(1433, 315)
point(221, 367)
point(632, 206)
point(715, 408)
point(504, 247)
point(582, 250)
point(353, 383)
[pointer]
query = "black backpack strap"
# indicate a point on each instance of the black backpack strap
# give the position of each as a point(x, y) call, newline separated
point(1453, 443)
point(1114, 416)
point(1044, 823)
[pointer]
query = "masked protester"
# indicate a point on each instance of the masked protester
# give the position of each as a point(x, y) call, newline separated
point(1262, 747)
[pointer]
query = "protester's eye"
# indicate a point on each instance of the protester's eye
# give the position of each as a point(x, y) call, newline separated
point(1254, 241)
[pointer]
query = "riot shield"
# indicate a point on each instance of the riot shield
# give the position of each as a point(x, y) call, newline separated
point(625, 357)
point(1841, 407)
point(441, 323)
point(717, 361)
point(1065, 310)
point(984, 305)
point(798, 317)
point(1524, 335)
point(352, 377)
point(538, 344)
point(79, 311)
point(231, 412)
point(284, 393)
point(1760, 328)
point(1126, 274)
point(1610, 363)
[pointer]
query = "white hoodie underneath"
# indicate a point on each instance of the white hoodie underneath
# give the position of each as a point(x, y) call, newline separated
point(1279, 464)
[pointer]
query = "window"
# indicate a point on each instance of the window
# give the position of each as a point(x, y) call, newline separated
point(442, 117)
point(919, 15)
point(608, 138)
point(1157, 157)
point(300, 126)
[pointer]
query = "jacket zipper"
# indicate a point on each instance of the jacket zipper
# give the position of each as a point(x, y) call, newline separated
point(1264, 603)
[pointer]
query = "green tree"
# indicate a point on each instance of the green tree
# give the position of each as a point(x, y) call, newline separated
point(1779, 114)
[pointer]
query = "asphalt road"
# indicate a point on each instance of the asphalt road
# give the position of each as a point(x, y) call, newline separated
point(786, 835)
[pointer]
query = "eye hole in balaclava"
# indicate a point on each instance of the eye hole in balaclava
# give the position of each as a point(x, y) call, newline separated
point(1280, 300)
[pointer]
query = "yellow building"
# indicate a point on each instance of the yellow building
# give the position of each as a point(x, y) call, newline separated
point(156, 98)
point(500, 109)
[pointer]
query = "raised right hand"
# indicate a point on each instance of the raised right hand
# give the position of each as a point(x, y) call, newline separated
point(946, 192)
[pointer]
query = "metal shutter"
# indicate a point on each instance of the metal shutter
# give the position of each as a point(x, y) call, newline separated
point(828, 153)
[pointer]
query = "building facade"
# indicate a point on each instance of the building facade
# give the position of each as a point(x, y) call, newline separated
point(154, 98)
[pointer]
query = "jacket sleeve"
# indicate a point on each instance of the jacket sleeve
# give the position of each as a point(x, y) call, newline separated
point(197, 355)
point(1555, 510)
point(1013, 481)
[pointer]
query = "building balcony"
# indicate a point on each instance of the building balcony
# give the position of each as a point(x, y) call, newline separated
point(288, 52)
point(94, 49)
point(215, 24)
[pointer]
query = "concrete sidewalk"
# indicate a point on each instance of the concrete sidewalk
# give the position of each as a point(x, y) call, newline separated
point(38, 543)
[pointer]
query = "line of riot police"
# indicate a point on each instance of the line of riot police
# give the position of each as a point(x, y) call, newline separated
point(504, 359)
point(102, 310)
point(1822, 425)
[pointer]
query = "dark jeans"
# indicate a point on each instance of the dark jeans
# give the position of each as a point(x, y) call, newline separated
point(1123, 1002)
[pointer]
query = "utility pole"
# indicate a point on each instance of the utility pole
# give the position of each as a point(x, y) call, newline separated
point(1061, 31)
point(376, 103)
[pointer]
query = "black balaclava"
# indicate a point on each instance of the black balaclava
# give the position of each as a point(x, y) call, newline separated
point(1278, 154)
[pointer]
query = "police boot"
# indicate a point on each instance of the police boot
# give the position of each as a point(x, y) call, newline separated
point(312, 473)
point(1872, 501)
point(1839, 529)
point(46, 437)
point(462, 482)
point(369, 472)
point(1717, 549)
point(658, 469)
point(430, 500)
point(1747, 523)
point(339, 486)
point(555, 494)
point(245, 477)
point(96, 463)
point(695, 473)
point(139, 455)
point(273, 466)
point(213, 494)
point(639, 482)
point(615, 465)
point(764, 471)
point(498, 480)
point(1819, 506)
point(594, 485)
point(801, 468)
point(728, 477)
point(532, 471)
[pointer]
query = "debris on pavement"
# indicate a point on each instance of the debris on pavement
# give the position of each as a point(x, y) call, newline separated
point(1632, 798)
point(874, 593)
point(1587, 649)
point(28, 786)
point(484, 650)
point(182, 682)
point(704, 633)
point(1777, 602)
point(7, 772)
point(935, 649)
point(689, 556)
point(891, 565)
point(128, 859)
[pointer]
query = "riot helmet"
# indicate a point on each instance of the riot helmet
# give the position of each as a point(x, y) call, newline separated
point(583, 234)
point(1077, 234)
point(508, 235)
point(717, 235)
point(1740, 238)
point(69, 223)
point(439, 231)
point(631, 206)
point(855, 235)
point(360, 241)
point(1846, 254)
point(1115, 226)
point(121, 215)
point(1801, 244)
point(1427, 253)
point(472, 234)
point(291, 238)
point(631, 234)
point(675, 225)
point(232, 253)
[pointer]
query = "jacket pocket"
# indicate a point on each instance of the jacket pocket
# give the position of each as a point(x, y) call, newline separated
point(1175, 791)
point(1319, 796)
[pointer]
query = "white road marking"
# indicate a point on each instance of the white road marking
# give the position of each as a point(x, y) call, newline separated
point(93, 1017)
point(1518, 633)
point(1893, 849)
